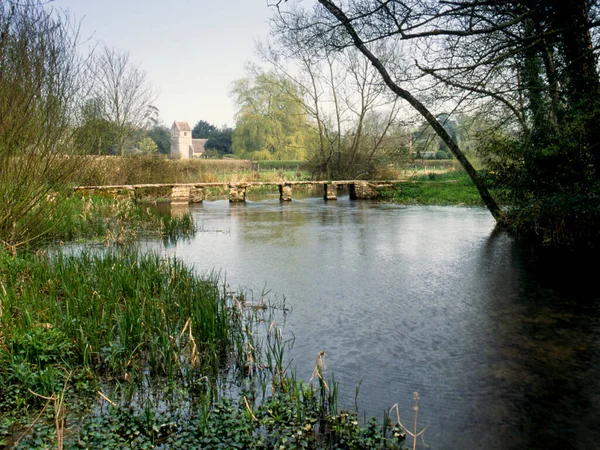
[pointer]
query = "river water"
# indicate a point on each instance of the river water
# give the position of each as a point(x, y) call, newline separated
point(501, 344)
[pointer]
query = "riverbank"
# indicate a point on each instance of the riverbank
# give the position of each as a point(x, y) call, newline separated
point(115, 349)
point(453, 187)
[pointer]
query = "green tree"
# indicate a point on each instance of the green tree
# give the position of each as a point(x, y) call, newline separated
point(344, 96)
point(220, 141)
point(271, 122)
point(147, 146)
point(42, 80)
point(204, 130)
point(95, 135)
point(161, 135)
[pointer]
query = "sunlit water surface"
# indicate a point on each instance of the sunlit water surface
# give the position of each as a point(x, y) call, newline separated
point(502, 345)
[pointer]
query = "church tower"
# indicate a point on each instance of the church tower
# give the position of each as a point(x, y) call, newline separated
point(181, 140)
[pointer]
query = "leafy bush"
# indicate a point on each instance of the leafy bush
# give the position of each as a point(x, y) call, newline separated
point(34, 360)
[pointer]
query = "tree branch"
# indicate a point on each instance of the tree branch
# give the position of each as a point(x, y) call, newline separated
point(489, 201)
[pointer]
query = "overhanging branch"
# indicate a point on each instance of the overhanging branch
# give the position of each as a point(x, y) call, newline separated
point(345, 22)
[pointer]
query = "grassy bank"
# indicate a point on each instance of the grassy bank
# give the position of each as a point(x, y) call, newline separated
point(449, 188)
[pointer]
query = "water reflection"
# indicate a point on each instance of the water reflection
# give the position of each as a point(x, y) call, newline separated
point(422, 299)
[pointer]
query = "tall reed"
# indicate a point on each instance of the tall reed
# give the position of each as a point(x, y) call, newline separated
point(115, 221)
point(119, 314)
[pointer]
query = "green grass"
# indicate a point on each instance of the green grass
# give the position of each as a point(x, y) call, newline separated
point(451, 188)
point(280, 165)
point(122, 312)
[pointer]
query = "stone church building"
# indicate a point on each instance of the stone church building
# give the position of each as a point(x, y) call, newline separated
point(182, 144)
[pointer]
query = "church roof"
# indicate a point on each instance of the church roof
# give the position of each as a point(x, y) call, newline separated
point(198, 145)
point(181, 125)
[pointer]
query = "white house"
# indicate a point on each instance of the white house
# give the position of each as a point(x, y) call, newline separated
point(182, 144)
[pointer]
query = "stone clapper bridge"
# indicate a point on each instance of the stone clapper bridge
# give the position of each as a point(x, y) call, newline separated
point(185, 193)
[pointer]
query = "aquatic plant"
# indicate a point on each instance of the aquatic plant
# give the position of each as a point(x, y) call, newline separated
point(115, 221)
point(144, 352)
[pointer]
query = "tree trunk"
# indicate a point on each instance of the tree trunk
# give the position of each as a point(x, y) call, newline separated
point(583, 83)
point(487, 198)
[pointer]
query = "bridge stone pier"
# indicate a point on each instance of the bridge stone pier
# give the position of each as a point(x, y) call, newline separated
point(180, 195)
point(285, 192)
point(196, 195)
point(237, 193)
point(330, 191)
point(362, 190)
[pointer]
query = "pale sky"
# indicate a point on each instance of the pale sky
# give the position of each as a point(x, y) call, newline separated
point(191, 50)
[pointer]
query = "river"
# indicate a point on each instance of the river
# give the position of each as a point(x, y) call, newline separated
point(501, 344)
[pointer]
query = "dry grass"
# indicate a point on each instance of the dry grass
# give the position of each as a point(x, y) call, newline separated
point(116, 170)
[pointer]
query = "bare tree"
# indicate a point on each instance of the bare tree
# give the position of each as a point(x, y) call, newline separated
point(363, 23)
point(124, 93)
point(352, 113)
point(532, 63)
point(42, 83)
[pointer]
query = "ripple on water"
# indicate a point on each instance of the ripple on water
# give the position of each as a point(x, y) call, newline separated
point(427, 299)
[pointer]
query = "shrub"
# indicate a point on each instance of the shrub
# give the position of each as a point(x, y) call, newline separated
point(40, 85)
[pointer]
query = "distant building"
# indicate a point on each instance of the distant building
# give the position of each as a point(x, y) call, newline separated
point(182, 144)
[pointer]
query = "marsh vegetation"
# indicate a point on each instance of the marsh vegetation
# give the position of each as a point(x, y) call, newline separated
point(116, 348)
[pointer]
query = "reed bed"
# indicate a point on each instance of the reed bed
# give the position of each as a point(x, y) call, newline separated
point(138, 169)
point(117, 170)
point(118, 314)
